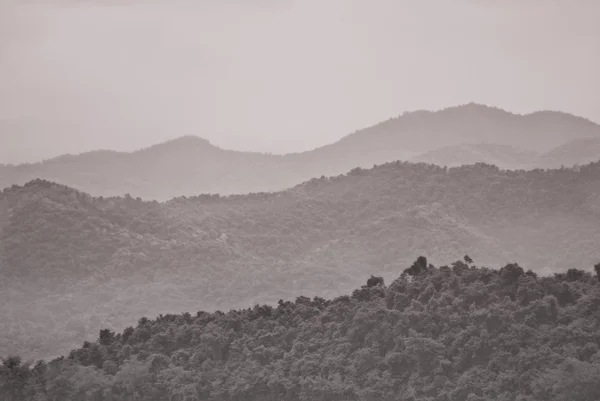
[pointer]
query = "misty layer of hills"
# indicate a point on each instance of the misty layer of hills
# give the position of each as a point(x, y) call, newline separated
point(455, 136)
point(72, 264)
point(453, 333)
point(78, 258)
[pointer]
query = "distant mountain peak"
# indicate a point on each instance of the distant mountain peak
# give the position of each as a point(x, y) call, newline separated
point(480, 108)
point(183, 145)
point(188, 139)
point(190, 164)
point(184, 141)
point(474, 105)
point(467, 107)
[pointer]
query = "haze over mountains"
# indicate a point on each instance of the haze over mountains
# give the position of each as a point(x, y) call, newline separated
point(171, 156)
point(577, 151)
point(454, 136)
point(81, 263)
point(504, 156)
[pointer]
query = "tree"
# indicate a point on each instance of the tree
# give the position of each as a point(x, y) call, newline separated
point(374, 281)
point(531, 273)
point(459, 267)
point(511, 272)
point(418, 267)
point(575, 274)
point(468, 260)
point(106, 337)
point(13, 379)
point(597, 268)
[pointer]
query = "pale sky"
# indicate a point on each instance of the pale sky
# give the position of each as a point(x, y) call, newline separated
point(279, 76)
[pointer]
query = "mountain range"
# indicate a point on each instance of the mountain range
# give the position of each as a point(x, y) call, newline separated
point(458, 135)
point(71, 263)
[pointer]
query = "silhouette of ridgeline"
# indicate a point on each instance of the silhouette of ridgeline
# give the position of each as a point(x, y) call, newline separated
point(454, 136)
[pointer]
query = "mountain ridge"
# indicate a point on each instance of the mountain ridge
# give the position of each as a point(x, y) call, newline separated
point(472, 106)
point(190, 164)
point(84, 260)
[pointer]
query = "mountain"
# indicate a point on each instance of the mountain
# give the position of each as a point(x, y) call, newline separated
point(452, 333)
point(503, 156)
point(191, 165)
point(422, 131)
point(184, 166)
point(577, 151)
point(71, 263)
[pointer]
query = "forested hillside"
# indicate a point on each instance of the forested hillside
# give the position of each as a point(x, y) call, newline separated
point(71, 264)
point(452, 333)
point(191, 165)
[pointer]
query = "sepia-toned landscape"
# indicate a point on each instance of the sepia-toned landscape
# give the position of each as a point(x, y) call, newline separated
point(299, 201)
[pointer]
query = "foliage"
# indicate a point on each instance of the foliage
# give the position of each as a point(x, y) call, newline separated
point(71, 264)
point(443, 335)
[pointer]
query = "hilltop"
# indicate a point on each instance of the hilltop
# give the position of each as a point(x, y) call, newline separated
point(453, 333)
point(190, 165)
point(79, 261)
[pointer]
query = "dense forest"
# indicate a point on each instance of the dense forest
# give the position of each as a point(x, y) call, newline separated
point(71, 264)
point(452, 333)
point(454, 136)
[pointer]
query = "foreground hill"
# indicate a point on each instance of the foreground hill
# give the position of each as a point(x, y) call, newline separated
point(71, 263)
point(191, 165)
point(452, 333)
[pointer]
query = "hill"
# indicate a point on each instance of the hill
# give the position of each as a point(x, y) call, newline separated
point(191, 165)
point(503, 156)
point(70, 263)
point(422, 131)
point(451, 333)
point(575, 152)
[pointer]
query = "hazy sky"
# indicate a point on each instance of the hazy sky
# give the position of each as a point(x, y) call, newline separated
point(279, 75)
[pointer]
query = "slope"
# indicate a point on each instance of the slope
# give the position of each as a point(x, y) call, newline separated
point(575, 152)
point(503, 156)
point(452, 333)
point(78, 262)
point(191, 165)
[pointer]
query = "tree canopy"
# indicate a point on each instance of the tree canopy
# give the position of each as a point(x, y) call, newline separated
point(444, 334)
